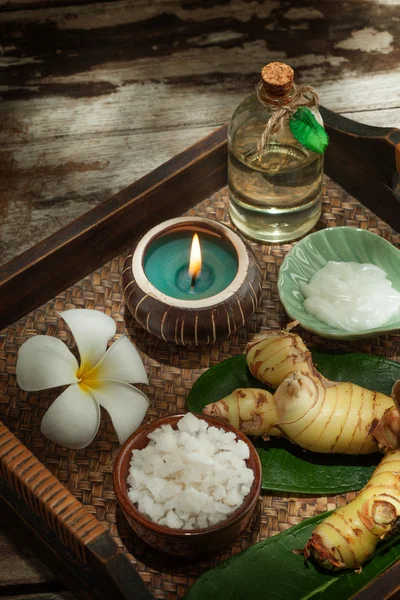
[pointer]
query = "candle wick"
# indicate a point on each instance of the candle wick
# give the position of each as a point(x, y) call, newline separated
point(193, 282)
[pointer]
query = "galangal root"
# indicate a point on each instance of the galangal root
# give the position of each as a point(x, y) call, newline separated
point(349, 536)
point(308, 409)
point(325, 416)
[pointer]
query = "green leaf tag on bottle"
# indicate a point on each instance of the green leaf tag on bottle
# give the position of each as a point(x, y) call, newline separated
point(306, 129)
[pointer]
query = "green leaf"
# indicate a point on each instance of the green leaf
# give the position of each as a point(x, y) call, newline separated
point(220, 381)
point(372, 372)
point(271, 570)
point(286, 467)
point(306, 129)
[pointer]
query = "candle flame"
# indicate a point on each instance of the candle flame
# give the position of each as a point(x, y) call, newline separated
point(195, 258)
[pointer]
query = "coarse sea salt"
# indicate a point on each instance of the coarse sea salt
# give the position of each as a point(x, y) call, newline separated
point(190, 478)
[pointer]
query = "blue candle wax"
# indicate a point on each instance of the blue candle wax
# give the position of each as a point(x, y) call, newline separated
point(166, 265)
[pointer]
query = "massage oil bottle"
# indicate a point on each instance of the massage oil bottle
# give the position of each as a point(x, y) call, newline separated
point(275, 181)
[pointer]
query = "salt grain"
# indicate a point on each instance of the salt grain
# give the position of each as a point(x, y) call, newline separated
point(190, 478)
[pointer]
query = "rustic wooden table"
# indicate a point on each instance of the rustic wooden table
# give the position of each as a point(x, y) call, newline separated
point(95, 95)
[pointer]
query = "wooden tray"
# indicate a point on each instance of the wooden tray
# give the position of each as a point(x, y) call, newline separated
point(77, 528)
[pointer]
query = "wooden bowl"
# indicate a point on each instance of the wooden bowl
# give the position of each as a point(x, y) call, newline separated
point(193, 322)
point(180, 542)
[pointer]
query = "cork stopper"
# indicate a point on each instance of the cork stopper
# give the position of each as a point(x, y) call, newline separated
point(277, 78)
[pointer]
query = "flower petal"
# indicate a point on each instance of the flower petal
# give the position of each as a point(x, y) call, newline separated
point(121, 362)
point(45, 362)
point(125, 404)
point(92, 330)
point(73, 419)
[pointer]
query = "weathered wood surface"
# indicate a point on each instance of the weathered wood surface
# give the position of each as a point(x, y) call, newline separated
point(22, 575)
point(13, 550)
point(95, 95)
point(41, 596)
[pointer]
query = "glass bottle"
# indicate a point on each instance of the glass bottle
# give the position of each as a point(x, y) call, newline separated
point(274, 192)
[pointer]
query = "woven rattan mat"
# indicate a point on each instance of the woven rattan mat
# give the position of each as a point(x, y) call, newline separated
point(172, 370)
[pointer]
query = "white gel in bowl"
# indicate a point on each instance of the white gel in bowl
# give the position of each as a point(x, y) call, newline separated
point(351, 296)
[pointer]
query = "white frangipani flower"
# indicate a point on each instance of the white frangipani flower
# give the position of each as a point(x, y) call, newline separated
point(102, 379)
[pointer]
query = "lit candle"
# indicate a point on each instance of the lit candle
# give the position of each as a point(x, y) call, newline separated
point(197, 277)
point(192, 281)
point(190, 266)
point(195, 261)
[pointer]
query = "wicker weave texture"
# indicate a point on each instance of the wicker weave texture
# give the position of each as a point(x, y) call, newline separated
point(172, 370)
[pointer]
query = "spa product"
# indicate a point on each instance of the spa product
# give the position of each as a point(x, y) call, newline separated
point(351, 296)
point(167, 265)
point(190, 478)
point(187, 297)
point(276, 142)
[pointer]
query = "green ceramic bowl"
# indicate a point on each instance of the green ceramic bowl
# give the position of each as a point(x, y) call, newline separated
point(339, 244)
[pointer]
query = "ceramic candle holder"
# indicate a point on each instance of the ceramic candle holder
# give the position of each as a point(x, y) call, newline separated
point(157, 289)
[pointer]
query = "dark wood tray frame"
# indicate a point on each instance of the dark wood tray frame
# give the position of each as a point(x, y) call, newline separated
point(364, 160)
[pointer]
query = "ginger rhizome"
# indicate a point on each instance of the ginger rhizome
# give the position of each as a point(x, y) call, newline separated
point(274, 355)
point(329, 417)
point(308, 409)
point(316, 414)
point(349, 536)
